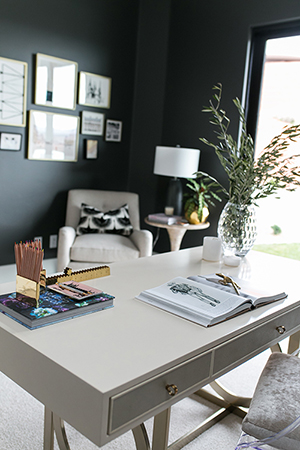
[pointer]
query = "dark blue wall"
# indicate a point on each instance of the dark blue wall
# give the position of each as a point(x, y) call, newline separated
point(164, 56)
point(101, 37)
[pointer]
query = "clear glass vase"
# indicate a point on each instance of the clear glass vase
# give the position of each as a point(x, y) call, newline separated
point(237, 229)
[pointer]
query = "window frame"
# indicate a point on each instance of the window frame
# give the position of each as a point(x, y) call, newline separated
point(258, 38)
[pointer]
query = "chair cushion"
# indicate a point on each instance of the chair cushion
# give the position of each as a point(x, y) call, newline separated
point(276, 402)
point(103, 248)
point(92, 220)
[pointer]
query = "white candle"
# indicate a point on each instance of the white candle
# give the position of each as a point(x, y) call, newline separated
point(169, 210)
point(212, 248)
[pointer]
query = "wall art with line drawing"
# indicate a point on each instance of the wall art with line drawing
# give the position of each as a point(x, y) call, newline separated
point(13, 82)
point(94, 90)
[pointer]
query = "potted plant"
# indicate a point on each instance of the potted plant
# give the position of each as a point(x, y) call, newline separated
point(249, 179)
point(200, 197)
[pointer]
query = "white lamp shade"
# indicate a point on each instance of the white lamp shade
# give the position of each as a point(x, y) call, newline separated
point(176, 161)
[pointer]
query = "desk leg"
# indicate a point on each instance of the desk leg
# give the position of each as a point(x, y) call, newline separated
point(53, 423)
point(48, 430)
point(176, 236)
point(141, 437)
point(294, 342)
point(161, 430)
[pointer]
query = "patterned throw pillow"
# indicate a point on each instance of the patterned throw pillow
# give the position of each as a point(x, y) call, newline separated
point(92, 220)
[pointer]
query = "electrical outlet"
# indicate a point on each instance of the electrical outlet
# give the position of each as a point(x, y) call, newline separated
point(53, 241)
point(39, 238)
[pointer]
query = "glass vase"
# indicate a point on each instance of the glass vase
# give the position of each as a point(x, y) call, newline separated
point(237, 229)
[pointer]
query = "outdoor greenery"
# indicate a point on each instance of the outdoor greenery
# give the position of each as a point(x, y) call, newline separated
point(251, 179)
point(203, 192)
point(291, 251)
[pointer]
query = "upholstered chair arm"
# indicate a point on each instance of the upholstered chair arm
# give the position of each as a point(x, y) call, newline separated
point(66, 237)
point(143, 240)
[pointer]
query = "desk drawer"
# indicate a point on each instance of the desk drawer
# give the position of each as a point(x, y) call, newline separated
point(145, 397)
point(256, 340)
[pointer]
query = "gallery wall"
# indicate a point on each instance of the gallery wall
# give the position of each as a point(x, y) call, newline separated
point(164, 56)
point(101, 37)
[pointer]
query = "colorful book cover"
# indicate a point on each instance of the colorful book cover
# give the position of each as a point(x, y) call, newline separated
point(51, 307)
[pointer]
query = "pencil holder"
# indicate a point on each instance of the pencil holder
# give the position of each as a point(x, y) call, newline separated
point(29, 287)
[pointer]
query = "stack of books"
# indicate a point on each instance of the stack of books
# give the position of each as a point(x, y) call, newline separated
point(164, 219)
point(57, 302)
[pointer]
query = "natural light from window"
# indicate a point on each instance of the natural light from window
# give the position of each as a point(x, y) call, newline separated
point(278, 220)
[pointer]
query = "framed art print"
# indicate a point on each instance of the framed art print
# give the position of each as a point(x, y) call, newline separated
point(13, 82)
point(92, 123)
point(10, 141)
point(91, 149)
point(52, 137)
point(113, 130)
point(94, 90)
point(56, 82)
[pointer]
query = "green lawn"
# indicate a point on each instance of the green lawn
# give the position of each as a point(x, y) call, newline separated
point(287, 250)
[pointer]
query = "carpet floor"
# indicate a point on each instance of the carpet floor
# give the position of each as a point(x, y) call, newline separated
point(21, 417)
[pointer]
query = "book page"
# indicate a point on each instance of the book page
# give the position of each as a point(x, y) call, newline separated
point(187, 295)
point(247, 290)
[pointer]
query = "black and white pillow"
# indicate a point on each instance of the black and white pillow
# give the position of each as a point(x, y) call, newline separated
point(92, 220)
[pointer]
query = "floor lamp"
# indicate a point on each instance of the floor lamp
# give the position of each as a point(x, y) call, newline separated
point(176, 162)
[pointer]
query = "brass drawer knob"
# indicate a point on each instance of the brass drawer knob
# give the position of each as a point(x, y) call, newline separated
point(281, 329)
point(172, 389)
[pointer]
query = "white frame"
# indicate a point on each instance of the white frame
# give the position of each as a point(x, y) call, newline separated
point(113, 134)
point(54, 143)
point(11, 141)
point(13, 81)
point(92, 123)
point(94, 90)
point(55, 82)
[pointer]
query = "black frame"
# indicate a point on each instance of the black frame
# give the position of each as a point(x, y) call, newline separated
point(259, 36)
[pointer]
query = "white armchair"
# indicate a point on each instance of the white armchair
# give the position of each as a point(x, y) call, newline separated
point(78, 250)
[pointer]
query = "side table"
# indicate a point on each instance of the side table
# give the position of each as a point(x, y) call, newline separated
point(176, 232)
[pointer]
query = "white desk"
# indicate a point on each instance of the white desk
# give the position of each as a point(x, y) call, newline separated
point(106, 373)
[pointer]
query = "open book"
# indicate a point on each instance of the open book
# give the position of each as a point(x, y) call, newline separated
point(204, 300)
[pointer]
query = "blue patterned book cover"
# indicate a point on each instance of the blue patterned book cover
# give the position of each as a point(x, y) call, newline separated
point(51, 307)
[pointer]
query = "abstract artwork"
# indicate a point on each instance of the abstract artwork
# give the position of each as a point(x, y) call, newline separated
point(94, 90)
point(13, 82)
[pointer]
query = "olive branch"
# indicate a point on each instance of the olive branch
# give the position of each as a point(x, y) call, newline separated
point(251, 179)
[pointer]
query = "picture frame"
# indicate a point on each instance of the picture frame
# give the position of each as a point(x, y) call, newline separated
point(92, 123)
point(113, 131)
point(53, 136)
point(91, 149)
point(13, 82)
point(94, 90)
point(55, 82)
point(11, 141)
